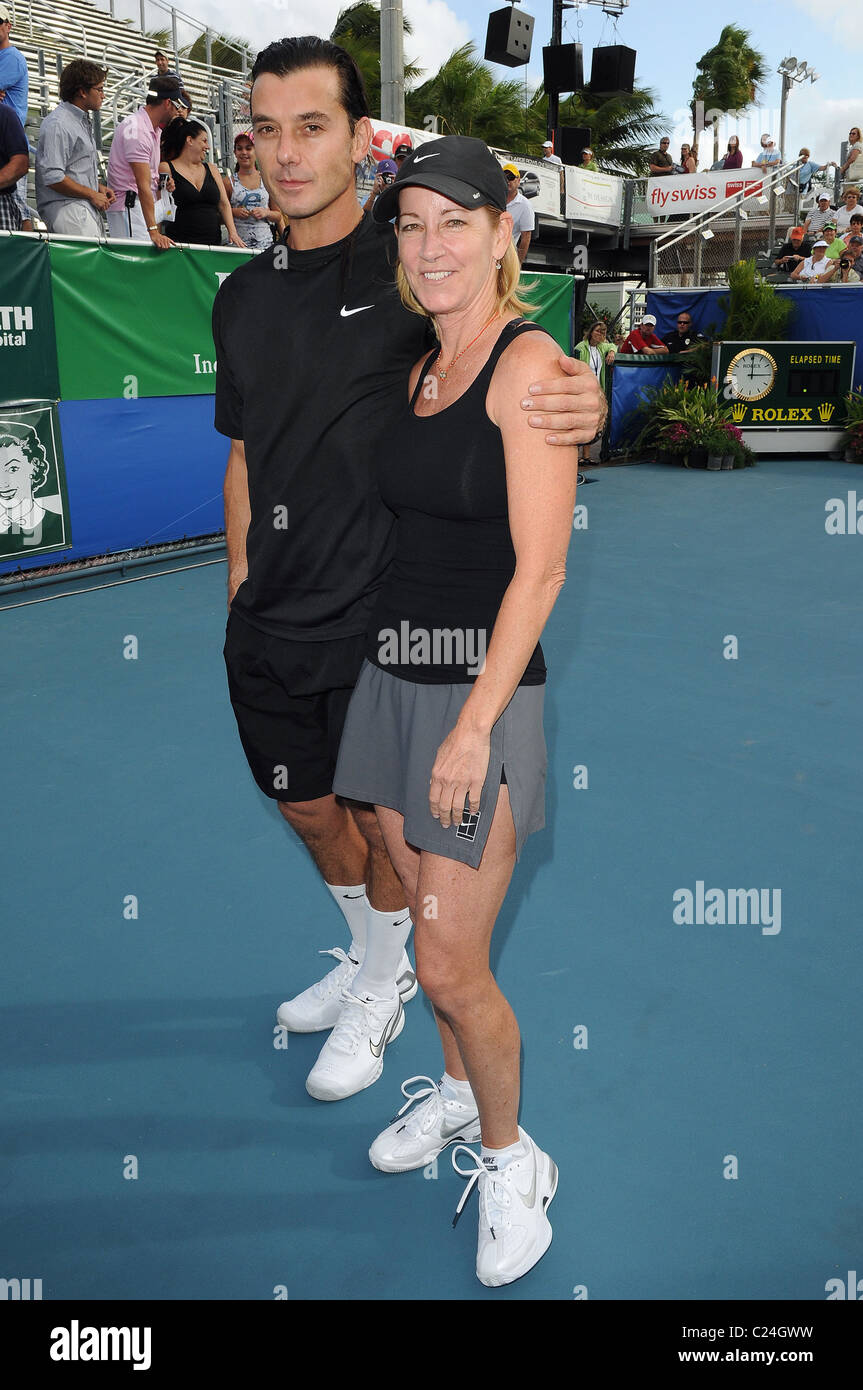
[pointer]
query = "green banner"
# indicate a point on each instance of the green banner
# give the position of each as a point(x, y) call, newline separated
point(34, 507)
point(551, 304)
point(133, 321)
point(28, 356)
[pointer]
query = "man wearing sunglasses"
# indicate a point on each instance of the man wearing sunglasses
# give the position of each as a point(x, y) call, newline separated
point(69, 195)
point(133, 165)
point(684, 338)
point(520, 210)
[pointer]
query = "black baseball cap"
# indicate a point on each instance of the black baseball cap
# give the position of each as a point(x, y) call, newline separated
point(401, 150)
point(169, 89)
point(458, 166)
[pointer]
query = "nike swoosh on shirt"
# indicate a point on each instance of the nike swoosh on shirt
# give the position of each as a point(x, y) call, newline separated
point(418, 159)
point(346, 312)
point(378, 1047)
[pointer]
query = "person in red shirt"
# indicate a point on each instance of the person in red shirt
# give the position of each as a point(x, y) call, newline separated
point(644, 340)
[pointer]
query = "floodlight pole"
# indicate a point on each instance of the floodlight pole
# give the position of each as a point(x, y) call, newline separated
point(392, 62)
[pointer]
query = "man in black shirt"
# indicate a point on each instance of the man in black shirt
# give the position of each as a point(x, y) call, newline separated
point(14, 163)
point(684, 338)
point(314, 351)
point(791, 253)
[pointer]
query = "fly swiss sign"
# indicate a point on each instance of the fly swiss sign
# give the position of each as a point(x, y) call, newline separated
point(695, 192)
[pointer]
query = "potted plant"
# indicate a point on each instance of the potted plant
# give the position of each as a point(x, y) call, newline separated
point(733, 441)
point(715, 442)
point(853, 423)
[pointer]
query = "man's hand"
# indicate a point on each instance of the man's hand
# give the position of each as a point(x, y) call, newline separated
point(572, 405)
point(235, 579)
point(109, 194)
point(99, 200)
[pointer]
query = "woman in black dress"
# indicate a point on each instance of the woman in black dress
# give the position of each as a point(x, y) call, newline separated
point(202, 203)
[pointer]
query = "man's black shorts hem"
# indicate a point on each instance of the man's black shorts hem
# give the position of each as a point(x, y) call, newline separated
point(290, 700)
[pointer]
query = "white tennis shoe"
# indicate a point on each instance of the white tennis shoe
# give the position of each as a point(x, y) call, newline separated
point(514, 1230)
point(434, 1124)
point(319, 1006)
point(352, 1057)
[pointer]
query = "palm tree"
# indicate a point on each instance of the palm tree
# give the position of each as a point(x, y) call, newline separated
point(358, 31)
point(728, 78)
point(227, 51)
point(624, 127)
point(467, 101)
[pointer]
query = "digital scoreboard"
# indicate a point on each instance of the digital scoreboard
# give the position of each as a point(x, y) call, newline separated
point(786, 395)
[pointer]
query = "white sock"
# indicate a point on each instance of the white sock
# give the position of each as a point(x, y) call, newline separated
point(499, 1158)
point(352, 904)
point(452, 1089)
point(386, 934)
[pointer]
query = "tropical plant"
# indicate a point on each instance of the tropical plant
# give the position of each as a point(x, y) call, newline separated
point(226, 51)
point(358, 31)
point(753, 309)
point(467, 100)
point(853, 423)
point(729, 75)
point(680, 418)
point(624, 126)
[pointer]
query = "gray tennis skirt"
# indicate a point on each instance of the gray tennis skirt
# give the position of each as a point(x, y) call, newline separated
point(392, 733)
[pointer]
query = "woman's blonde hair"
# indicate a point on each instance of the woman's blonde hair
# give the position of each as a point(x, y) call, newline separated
point(509, 294)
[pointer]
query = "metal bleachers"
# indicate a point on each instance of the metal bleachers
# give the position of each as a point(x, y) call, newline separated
point(50, 33)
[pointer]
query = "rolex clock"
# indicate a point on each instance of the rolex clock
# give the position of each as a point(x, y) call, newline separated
point(786, 396)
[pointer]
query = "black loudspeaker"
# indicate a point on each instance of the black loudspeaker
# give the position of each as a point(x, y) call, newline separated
point(613, 69)
point(508, 37)
point(570, 141)
point(563, 68)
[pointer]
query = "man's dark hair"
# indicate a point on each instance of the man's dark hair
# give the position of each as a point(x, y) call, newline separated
point(78, 74)
point(175, 135)
point(290, 55)
point(857, 217)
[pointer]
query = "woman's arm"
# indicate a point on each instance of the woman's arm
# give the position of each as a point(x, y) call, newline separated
point(226, 210)
point(540, 483)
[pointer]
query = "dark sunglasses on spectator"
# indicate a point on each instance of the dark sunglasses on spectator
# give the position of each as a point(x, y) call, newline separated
point(510, 178)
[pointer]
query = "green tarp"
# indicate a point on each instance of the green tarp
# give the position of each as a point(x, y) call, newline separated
point(28, 356)
point(135, 322)
point(131, 322)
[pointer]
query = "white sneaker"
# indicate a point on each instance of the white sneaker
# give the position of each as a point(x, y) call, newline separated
point(436, 1123)
point(352, 1057)
point(514, 1231)
point(319, 1006)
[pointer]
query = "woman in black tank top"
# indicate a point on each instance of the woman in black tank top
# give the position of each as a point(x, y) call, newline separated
point(444, 730)
point(202, 202)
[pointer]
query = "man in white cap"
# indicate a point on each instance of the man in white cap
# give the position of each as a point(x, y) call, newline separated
point(644, 340)
point(769, 155)
point(817, 221)
point(548, 155)
point(816, 268)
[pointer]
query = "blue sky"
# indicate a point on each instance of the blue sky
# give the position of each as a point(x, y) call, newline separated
point(669, 36)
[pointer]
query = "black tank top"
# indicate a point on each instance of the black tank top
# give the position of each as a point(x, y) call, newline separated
point(444, 476)
point(198, 219)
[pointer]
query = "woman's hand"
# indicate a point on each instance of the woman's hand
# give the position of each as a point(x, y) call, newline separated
point(458, 774)
point(259, 214)
point(240, 213)
point(237, 241)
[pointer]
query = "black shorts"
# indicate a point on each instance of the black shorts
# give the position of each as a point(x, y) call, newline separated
point(290, 700)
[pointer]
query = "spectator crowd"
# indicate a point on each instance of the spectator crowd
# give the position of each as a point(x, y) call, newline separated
point(161, 184)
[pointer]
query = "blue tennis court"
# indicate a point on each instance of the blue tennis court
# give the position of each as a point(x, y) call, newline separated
point(697, 1082)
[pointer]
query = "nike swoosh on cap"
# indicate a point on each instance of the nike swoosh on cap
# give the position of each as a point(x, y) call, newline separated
point(420, 157)
point(346, 312)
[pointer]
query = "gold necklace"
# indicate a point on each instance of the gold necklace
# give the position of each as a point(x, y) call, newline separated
point(441, 372)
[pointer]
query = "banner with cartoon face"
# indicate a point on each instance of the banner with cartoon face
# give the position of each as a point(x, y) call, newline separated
point(34, 509)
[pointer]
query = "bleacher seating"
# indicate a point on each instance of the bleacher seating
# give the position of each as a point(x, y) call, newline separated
point(67, 29)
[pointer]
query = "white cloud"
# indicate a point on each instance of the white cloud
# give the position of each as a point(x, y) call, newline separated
point(846, 23)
